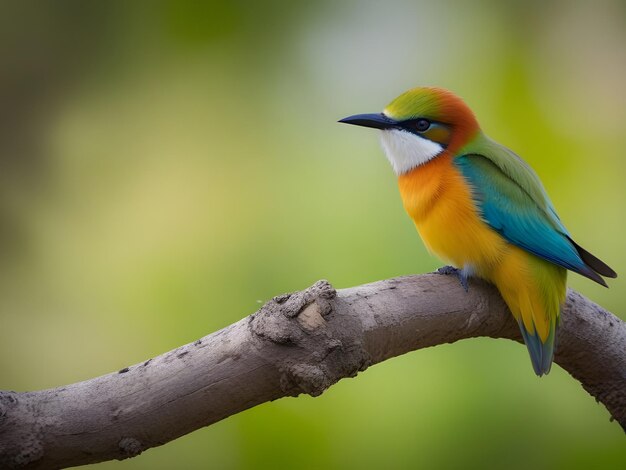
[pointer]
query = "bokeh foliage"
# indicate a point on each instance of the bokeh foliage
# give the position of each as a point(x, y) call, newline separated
point(166, 166)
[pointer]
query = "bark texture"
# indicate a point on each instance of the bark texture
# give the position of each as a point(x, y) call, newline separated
point(296, 343)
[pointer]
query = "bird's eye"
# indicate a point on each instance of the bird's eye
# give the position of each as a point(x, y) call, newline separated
point(422, 125)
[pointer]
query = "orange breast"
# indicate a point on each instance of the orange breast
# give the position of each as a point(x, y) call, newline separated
point(439, 201)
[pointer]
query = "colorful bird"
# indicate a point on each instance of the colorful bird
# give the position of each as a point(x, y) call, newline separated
point(479, 206)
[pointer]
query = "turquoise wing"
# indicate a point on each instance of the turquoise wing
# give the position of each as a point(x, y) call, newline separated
point(513, 202)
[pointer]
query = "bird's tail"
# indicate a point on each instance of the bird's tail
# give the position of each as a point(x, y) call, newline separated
point(538, 320)
point(534, 290)
point(541, 352)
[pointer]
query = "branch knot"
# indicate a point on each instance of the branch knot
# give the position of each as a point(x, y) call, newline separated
point(274, 320)
point(129, 447)
point(324, 354)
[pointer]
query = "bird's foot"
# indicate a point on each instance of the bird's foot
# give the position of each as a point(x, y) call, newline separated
point(460, 273)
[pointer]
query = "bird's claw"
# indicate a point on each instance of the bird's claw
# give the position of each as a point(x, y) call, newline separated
point(462, 275)
point(447, 270)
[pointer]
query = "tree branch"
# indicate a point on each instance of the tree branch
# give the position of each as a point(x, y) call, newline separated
point(296, 343)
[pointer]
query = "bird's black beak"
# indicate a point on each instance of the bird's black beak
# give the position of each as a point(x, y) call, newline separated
point(377, 121)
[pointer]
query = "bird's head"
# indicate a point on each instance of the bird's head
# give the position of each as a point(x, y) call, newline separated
point(420, 125)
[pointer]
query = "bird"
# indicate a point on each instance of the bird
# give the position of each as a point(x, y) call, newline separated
point(479, 206)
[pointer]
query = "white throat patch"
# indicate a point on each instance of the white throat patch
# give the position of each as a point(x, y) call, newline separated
point(405, 151)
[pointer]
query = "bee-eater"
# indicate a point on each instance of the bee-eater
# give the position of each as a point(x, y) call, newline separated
point(479, 206)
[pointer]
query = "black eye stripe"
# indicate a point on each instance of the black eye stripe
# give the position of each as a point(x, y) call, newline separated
point(435, 131)
point(416, 125)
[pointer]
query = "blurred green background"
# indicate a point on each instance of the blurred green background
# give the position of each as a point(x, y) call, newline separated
point(166, 166)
